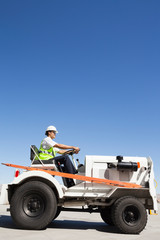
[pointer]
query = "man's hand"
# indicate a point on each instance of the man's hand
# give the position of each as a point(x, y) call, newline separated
point(76, 149)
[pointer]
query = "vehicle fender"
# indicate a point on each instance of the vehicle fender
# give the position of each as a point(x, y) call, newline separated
point(23, 177)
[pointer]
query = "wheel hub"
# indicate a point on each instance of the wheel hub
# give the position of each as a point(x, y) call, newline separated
point(131, 215)
point(33, 205)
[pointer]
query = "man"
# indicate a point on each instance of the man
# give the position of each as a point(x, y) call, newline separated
point(49, 148)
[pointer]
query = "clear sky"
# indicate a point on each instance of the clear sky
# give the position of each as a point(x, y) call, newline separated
point(89, 67)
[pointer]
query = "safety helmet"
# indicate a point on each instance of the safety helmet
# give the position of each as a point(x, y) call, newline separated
point(51, 128)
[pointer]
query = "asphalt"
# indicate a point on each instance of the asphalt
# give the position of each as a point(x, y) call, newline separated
point(76, 226)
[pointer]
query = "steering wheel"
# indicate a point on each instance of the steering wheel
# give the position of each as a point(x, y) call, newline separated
point(69, 152)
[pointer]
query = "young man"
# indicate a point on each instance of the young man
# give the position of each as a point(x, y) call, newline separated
point(49, 148)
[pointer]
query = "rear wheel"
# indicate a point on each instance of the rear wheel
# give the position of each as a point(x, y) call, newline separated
point(129, 215)
point(33, 205)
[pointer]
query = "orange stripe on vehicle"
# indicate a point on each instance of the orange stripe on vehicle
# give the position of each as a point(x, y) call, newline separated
point(78, 177)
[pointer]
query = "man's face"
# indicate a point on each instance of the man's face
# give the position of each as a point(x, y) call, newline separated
point(52, 134)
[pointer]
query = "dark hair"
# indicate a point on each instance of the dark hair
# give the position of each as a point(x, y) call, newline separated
point(46, 133)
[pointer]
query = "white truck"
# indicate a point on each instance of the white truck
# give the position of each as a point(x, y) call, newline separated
point(36, 197)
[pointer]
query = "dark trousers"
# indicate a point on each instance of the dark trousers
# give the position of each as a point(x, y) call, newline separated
point(64, 164)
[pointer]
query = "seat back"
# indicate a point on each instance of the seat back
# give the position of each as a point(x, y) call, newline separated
point(34, 153)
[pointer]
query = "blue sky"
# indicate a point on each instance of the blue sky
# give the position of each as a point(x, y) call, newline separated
point(91, 68)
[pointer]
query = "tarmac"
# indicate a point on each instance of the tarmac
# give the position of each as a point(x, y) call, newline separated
point(76, 226)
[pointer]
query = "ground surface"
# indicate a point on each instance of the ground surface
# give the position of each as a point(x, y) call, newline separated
point(76, 226)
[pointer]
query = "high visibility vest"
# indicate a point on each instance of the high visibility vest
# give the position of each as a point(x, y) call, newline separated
point(46, 154)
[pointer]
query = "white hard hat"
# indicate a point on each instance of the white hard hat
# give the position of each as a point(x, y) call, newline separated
point(52, 128)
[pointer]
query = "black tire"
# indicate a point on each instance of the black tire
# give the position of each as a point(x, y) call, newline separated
point(33, 205)
point(58, 212)
point(106, 215)
point(129, 215)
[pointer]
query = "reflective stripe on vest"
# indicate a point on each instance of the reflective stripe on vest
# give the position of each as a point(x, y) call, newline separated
point(46, 154)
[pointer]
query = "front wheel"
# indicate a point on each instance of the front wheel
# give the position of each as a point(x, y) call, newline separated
point(33, 205)
point(129, 215)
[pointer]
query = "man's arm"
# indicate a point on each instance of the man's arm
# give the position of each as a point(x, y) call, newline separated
point(63, 146)
point(61, 151)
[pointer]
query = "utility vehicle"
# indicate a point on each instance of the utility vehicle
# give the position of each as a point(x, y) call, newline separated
point(120, 188)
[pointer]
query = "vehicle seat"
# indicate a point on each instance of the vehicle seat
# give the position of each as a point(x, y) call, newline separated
point(37, 162)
